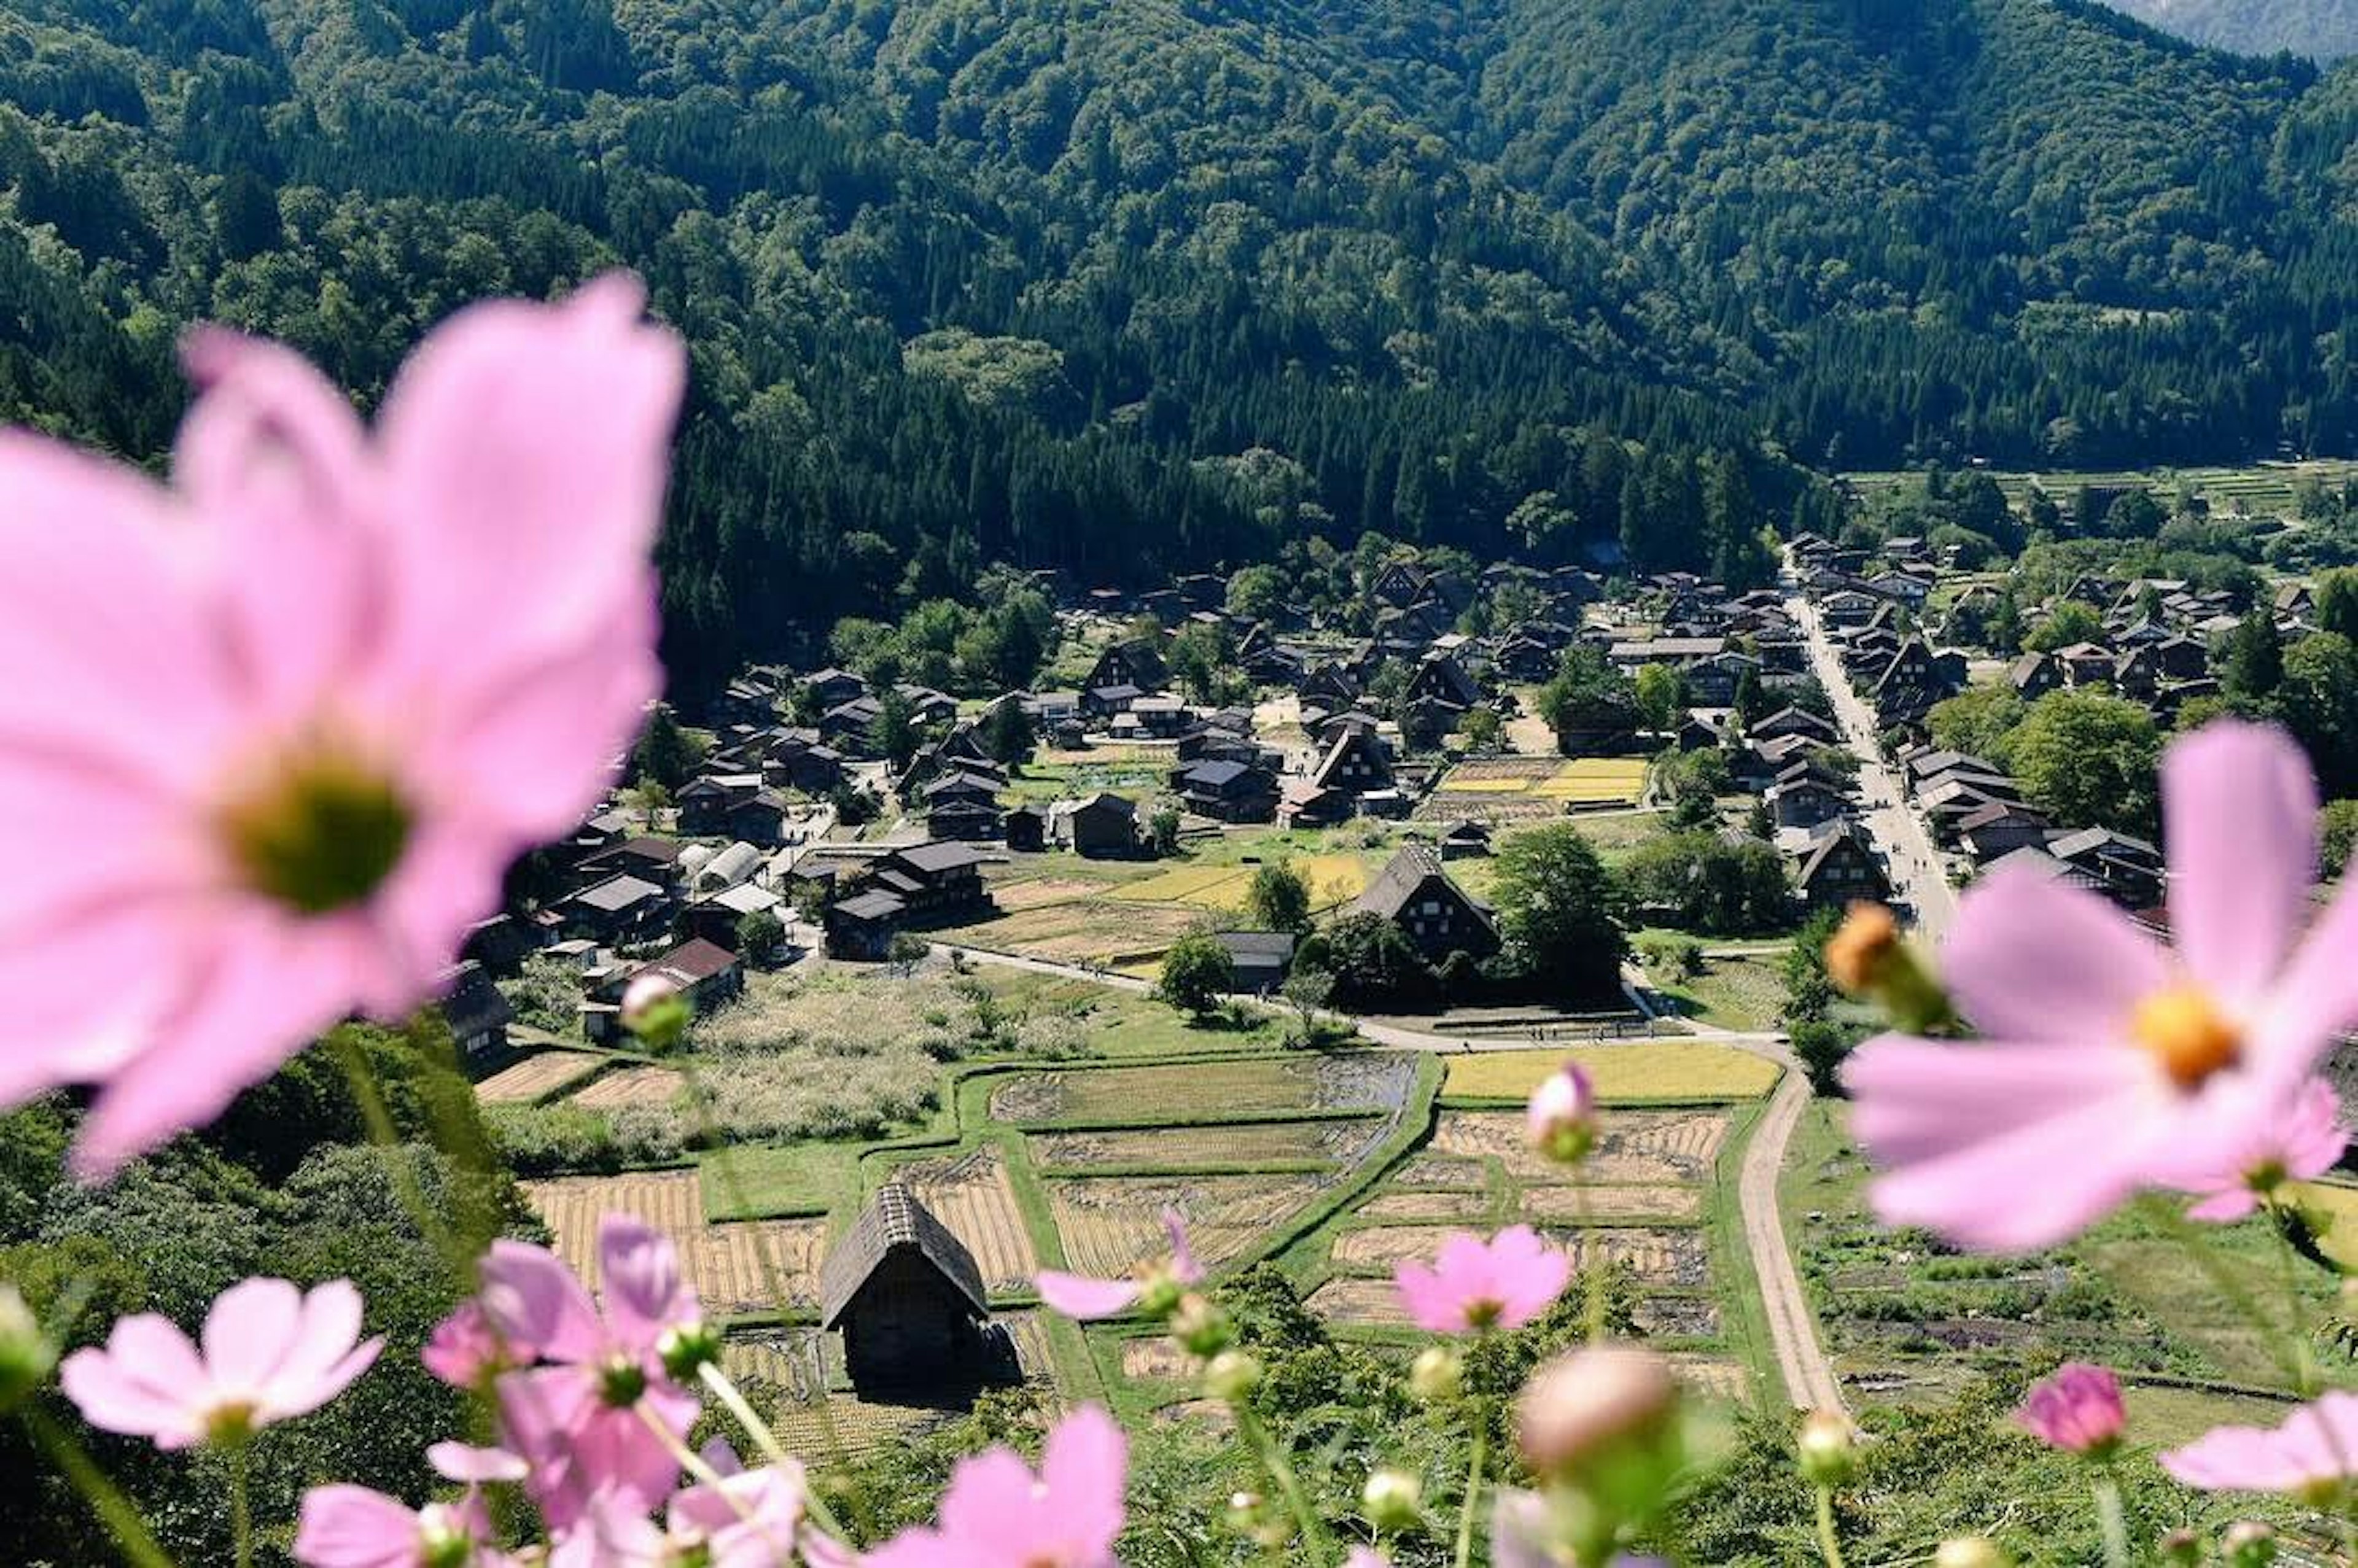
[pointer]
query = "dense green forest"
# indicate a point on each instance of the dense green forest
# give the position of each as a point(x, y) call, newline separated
point(1126, 287)
point(2321, 29)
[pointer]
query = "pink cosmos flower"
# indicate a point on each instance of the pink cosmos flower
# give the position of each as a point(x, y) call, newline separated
point(580, 1417)
point(269, 1352)
point(353, 1527)
point(750, 1520)
point(2078, 1409)
point(2316, 1449)
point(2304, 1143)
point(1475, 1285)
point(2110, 1062)
point(1078, 1296)
point(280, 727)
point(997, 1514)
point(464, 1348)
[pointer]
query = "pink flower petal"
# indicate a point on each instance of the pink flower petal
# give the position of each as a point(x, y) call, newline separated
point(2033, 959)
point(531, 1298)
point(252, 1327)
point(353, 1527)
point(2317, 999)
point(2240, 808)
point(639, 1269)
point(1078, 1296)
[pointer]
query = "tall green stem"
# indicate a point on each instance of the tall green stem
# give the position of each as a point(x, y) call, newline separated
point(370, 1097)
point(114, 1510)
point(1474, 1471)
point(1289, 1484)
point(1829, 1543)
point(2288, 1268)
point(2111, 1519)
point(729, 1394)
point(241, 1511)
point(2289, 1351)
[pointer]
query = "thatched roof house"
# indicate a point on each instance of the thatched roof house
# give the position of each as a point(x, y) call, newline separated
point(904, 1292)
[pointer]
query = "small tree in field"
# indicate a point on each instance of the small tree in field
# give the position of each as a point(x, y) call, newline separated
point(1197, 973)
point(1279, 898)
point(1307, 990)
point(758, 936)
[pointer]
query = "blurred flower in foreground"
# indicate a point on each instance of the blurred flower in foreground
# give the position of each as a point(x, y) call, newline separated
point(997, 1514)
point(2078, 1409)
point(1475, 1285)
point(1156, 1288)
point(270, 1352)
point(2314, 1454)
point(2109, 1062)
point(279, 728)
point(2304, 1143)
point(345, 1526)
point(1562, 1117)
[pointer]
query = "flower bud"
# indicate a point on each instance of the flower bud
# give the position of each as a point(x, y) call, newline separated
point(2248, 1543)
point(686, 1347)
point(1604, 1423)
point(656, 1011)
point(1200, 1326)
point(1827, 1448)
point(1869, 960)
point(1159, 1293)
point(1971, 1552)
point(2181, 1548)
point(1231, 1375)
point(1392, 1501)
point(2078, 1410)
point(1562, 1117)
point(27, 1356)
point(1437, 1376)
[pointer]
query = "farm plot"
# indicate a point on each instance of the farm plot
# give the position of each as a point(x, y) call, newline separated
point(1589, 1205)
point(631, 1086)
point(1260, 1086)
point(1083, 931)
point(1659, 1069)
point(1460, 1209)
point(1111, 1224)
point(1040, 893)
point(1206, 887)
point(1191, 1148)
point(537, 1077)
point(728, 1264)
point(1669, 1258)
point(1637, 1147)
point(1595, 781)
point(971, 1195)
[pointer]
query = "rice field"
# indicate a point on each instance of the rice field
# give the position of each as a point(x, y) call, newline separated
point(1083, 931)
point(1184, 1090)
point(726, 1263)
point(1657, 1069)
point(1655, 1257)
point(631, 1086)
point(1332, 879)
point(1110, 1225)
point(537, 1077)
point(1592, 1205)
point(971, 1195)
point(1180, 1149)
point(1595, 781)
point(1637, 1147)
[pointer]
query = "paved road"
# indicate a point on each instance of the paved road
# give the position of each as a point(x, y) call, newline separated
point(1899, 830)
point(1801, 1361)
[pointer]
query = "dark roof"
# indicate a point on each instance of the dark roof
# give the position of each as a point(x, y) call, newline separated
point(893, 1219)
point(1269, 947)
point(940, 856)
point(1842, 830)
point(870, 906)
point(473, 1005)
point(697, 960)
point(1397, 882)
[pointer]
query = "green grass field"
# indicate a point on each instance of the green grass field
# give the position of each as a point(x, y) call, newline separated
point(1663, 1070)
point(1746, 993)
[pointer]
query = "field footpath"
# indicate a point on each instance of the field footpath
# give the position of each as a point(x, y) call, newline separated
point(1801, 1362)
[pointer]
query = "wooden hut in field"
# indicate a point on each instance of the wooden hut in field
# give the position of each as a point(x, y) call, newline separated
point(906, 1296)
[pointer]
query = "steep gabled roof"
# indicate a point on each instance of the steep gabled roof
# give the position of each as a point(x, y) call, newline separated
point(894, 1220)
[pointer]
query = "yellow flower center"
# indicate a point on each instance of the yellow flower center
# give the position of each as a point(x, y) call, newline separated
point(2187, 1034)
point(318, 830)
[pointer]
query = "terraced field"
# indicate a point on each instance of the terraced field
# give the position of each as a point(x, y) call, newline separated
point(1083, 931)
point(536, 1078)
point(1638, 1148)
point(972, 1196)
point(1658, 1069)
point(1192, 1090)
point(1189, 1148)
point(726, 1263)
point(631, 1086)
point(1670, 1258)
point(1110, 1225)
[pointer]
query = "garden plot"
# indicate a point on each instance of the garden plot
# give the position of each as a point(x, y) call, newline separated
point(728, 1264)
point(972, 1196)
point(1208, 887)
point(1637, 1147)
point(1591, 1205)
point(1456, 1173)
point(1204, 1089)
point(1669, 1258)
point(1039, 892)
point(537, 1077)
point(1658, 1069)
point(1713, 1377)
point(631, 1086)
point(1367, 1301)
point(1182, 1149)
point(1677, 1318)
point(1595, 781)
point(1456, 1207)
point(1111, 1224)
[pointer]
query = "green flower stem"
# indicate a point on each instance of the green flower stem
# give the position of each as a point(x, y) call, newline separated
point(693, 1462)
point(2111, 1519)
point(369, 1096)
point(2287, 1349)
point(730, 1395)
point(241, 1509)
point(97, 1489)
point(2288, 1262)
point(1474, 1471)
point(1829, 1543)
point(1289, 1484)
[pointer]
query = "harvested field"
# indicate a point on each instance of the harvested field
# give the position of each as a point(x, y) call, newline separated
point(1458, 783)
point(1655, 1257)
point(1111, 1224)
point(1588, 1204)
point(1084, 931)
point(1638, 1148)
point(1657, 1069)
point(631, 1086)
point(1430, 1170)
point(724, 1263)
point(1463, 1208)
point(1713, 1377)
point(1158, 1358)
point(1595, 781)
point(537, 1077)
point(1497, 773)
point(1208, 1088)
point(1183, 1148)
point(1370, 1302)
point(1035, 892)
point(1677, 1318)
point(1206, 885)
point(971, 1195)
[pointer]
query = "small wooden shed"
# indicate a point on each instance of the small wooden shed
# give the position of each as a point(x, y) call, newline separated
point(906, 1296)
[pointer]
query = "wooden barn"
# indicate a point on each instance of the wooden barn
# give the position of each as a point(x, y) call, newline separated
point(906, 1296)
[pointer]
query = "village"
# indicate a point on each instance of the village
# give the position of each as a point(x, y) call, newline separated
point(1220, 916)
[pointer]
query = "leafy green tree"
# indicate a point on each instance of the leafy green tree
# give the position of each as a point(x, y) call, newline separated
point(1373, 962)
point(1978, 721)
point(1809, 989)
point(2072, 622)
point(2337, 602)
point(1482, 729)
point(2087, 759)
point(1588, 693)
point(2252, 665)
point(1706, 881)
point(1197, 975)
point(2319, 702)
point(894, 731)
point(1559, 911)
point(2337, 831)
point(1823, 1045)
point(1662, 694)
point(1256, 592)
point(759, 935)
point(1278, 898)
point(1007, 734)
point(665, 753)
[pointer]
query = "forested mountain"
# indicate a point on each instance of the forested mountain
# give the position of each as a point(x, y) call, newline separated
point(2321, 29)
point(1119, 284)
